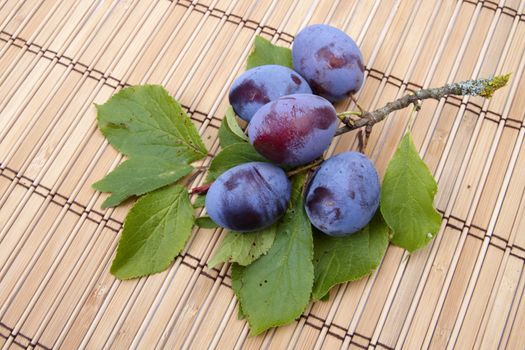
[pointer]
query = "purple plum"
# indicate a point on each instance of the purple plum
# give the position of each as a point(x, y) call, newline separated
point(329, 60)
point(260, 85)
point(294, 129)
point(343, 195)
point(249, 197)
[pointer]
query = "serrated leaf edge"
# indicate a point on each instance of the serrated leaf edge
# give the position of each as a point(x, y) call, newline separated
point(432, 192)
point(119, 248)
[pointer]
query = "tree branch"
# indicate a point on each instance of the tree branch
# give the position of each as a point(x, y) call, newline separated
point(477, 87)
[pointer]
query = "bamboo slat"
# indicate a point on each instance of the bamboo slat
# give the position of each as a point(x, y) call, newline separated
point(58, 57)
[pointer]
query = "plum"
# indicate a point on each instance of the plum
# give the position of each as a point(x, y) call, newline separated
point(343, 195)
point(249, 197)
point(293, 129)
point(260, 85)
point(329, 60)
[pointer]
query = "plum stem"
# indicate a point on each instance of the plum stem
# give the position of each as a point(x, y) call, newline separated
point(193, 175)
point(344, 117)
point(361, 109)
point(305, 167)
point(475, 87)
point(201, 189)
point(345, 113)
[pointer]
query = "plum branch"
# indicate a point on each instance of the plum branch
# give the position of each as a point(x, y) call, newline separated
point(475, 87)
point(362, 119)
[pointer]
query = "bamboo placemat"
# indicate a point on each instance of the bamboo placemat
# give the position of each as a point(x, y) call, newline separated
point(58, 57)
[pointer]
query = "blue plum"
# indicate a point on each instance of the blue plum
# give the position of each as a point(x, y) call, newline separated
point(329, 60)
point(294, 129)
point(260, 85)
point(343, 195)
point(249, 197)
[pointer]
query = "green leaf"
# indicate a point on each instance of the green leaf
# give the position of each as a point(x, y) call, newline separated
point(236, 275)
point(240, 315)
point(233, 125)
point(264, 52)
point(342, 259)
point(146, 120)
point(205, 222)
point(231, 156)
point(226, 136)
point(230, 132)
point(243, 248)
point(275, 289)
point(150, 127)
point(155, 231)
point(199, 201)
point(137, 176)
point(407, 197)
point(326, 297)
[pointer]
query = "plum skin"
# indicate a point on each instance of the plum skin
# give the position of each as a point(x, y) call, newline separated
point(249, 197)
point(294, 129)
point(343, 195)
point(262, 84)
point(329, 60)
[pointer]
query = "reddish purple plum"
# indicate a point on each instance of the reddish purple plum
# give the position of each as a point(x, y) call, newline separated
point(329, 60)
point(294, 129)
point(260, 85)
point(249, 197)
point(343, 195)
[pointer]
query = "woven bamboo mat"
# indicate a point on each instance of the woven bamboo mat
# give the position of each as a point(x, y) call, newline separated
point(58, 57)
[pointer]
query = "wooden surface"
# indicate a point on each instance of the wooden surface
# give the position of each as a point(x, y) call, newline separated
point(58, 57)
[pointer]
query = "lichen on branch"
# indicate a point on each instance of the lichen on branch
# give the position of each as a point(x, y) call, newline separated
point(474, 87)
